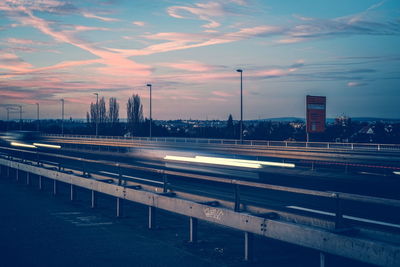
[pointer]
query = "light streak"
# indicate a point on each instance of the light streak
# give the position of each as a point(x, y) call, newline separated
point(397, 173)
point(230, 162)
point(47, 145)
point(22, 145)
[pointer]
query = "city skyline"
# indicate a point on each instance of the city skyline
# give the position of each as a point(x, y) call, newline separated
point(190, 50)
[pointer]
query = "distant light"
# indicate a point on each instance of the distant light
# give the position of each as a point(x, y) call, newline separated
point(47, 145)
point(22, 145)
point(397, 173)
point(215, 161)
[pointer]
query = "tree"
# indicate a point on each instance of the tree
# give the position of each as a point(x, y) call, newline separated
point(102, 111)
point(113, 111)
point(230, 127)
point(134, 110)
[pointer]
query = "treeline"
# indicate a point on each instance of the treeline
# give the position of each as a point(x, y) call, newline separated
point(108, 122)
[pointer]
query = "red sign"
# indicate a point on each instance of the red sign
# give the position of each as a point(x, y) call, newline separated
point(316, 113)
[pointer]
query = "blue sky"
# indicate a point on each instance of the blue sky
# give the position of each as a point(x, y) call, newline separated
point(189, 50)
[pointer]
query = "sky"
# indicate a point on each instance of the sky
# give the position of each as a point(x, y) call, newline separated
point(348, 51)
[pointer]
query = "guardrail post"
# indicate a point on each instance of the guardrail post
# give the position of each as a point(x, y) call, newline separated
point(40, 183)
point(120, 208)
point(339, 213)
point(321, 259)
point(165, 183)
point(54, 187)
point(8, 171)
point(248, 246)
point(193, 222)
point(94, 199)
point(152, 217)
point(28, 180)
point(237, 197)
point(73, 192)
point(379, 147)
point(16, 175)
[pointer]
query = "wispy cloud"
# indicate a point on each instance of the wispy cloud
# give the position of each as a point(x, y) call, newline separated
point(93, 16)
point(139, 23)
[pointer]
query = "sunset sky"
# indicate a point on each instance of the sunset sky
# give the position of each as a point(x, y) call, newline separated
point(348, 51)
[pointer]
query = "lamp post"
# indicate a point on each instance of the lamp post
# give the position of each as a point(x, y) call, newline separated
point(8, 117)
point(97, 113)
point(149, 85)
point(37, 117)
point(241, 104)
point(62, 116)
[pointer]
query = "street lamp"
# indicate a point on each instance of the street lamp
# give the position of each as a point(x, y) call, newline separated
point(62, 116)
point(149, 85)
point(37, 113)
point(97, 113)
point(241, 104)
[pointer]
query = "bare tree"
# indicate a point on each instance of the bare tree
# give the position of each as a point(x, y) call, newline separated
point(102, 111)
point(134, 110)
point(113, 111)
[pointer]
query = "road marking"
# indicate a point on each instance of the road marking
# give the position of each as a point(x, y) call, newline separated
point(345, 216)
point(50, 162)
point(136, 178)
point(109, 173)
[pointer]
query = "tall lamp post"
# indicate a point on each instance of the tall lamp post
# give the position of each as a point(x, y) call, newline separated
point(37, 117)
point(97, 113)
point(149, 85)
point(62, 116)
point(241, 104)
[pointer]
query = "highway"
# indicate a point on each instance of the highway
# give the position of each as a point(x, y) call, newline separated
point(176, 167)
point(348, 193)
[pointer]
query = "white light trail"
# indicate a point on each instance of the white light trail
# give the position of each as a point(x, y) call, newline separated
point(22, 145)
point(47, 145)
point(230, 162)
point(397, 173)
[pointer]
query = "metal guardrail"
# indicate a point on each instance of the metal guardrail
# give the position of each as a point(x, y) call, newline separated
point(251, 143)
point(352, 246)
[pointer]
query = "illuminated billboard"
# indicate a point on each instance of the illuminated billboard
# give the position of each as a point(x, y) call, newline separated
point(316, 113)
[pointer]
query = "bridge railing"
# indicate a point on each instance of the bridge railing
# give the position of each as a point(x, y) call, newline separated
point(251, 143)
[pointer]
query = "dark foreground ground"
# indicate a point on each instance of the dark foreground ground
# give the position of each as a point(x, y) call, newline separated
point(38, 229)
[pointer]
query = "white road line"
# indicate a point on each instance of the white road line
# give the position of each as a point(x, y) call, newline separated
point(109, 173)
point(345, 216)
point(136, 178)
point(50, 162)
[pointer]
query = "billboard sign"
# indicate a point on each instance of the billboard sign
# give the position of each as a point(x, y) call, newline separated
point(316, 113)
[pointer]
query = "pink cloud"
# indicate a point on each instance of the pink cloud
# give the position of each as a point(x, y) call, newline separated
point(203, 11)
point(222, 94)
point(93, 16)
point(139, 23)
point(189, 66)
point(355, 84)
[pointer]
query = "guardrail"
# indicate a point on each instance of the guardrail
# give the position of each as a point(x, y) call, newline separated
point(255, 143)
point(337, 243)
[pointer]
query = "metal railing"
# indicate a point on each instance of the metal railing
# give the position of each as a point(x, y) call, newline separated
point(251, 143)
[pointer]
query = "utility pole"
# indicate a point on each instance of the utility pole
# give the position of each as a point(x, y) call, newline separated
point(97, 113)
point(37, 117)
point(149, 85)
point(20, 117)
point(241, 104)
point(62, 116)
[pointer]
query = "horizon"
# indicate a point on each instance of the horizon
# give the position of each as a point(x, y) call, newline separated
point(190, 51)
